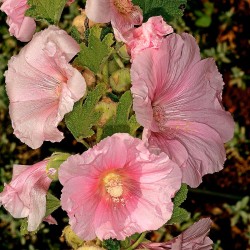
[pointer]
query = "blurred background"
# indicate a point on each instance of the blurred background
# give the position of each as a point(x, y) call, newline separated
point(221, 27)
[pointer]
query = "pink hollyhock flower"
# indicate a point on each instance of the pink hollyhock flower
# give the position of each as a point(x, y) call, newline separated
point(148, 35)
point(42, 86)
point(122, 14)
point(118, 188)
point(25, 195)
point(21, 27)
point(194, 238)
point(177, 98)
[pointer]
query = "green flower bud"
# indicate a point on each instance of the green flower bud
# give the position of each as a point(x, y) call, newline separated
point(54, 163)
point(120, 80)
point(123, 53)
point(71, 238)
point(108, 110)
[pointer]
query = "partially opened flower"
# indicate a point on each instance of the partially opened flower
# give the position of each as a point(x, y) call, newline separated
point(177, 98)
point(194, 238)
point(25, 195)
point(148, 35)
point(42, 86)
point(122, 14)
point(118, 188)
point(21, 26)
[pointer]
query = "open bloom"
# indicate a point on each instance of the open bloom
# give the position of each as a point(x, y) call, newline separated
point(21, 26)
point(118, 188)
point(42, 86)
point(122, 14)
point(148, 35)
point(177, 98)
point(194, 238)
point(25, 195)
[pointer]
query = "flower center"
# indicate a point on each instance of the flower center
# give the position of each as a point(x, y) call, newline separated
point(123, 6)
point(113, 186)
point(160, 117)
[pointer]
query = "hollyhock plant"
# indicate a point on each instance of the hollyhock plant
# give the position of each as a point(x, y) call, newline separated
point(148, 35)
point(42, 86)
point(194, 238)
point(25, 195)
point(118, 188)
point(21, 26)
point(177, 98)
point(122, 14)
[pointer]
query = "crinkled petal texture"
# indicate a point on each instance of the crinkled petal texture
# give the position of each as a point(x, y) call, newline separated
point(194, 238)
point(25, 195)
point(148, 35)
point(42, 86)
point(177, 98)
point(122, 14)
point(21, 27)
point(118, 188)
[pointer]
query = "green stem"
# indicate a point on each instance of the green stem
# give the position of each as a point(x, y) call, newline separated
point(137, 242)
point(84, 143)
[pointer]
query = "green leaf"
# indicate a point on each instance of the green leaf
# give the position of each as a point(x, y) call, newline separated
point(121, 122)
point(169, 9)
point(111, 244)
point(181, 195)
point(52, 203)
point(76, 34)
point(84, 116)
point(179, 215)
point(97, 52)
point(48, 10)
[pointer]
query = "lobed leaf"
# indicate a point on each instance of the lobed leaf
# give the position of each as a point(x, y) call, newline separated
point(121, 122)
point(97, 52)
point(168, 9)
point(48, 10)
point(52, 203)
point(84, 116)
point(179, 215)
point(181, 195)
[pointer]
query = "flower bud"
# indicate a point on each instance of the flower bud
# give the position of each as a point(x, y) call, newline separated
point(71, 238)
point(89, 77)
point(54, 163)
point(79, 22)
point(123, 53)
point(108, 110)
point(120, 80)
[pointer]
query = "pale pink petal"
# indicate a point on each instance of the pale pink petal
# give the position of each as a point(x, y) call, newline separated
point(148, 35)
point(51, 220)
point(98, 11)
point(118, 188)
point(25, 195)
point(177, 98)
point(194, 237)
point(122, 14)
point(21, 27)
point(42, 86)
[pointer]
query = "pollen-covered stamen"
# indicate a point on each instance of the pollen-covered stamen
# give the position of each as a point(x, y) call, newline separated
point(123, 6)
point(159, 116)
point(114, 186)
